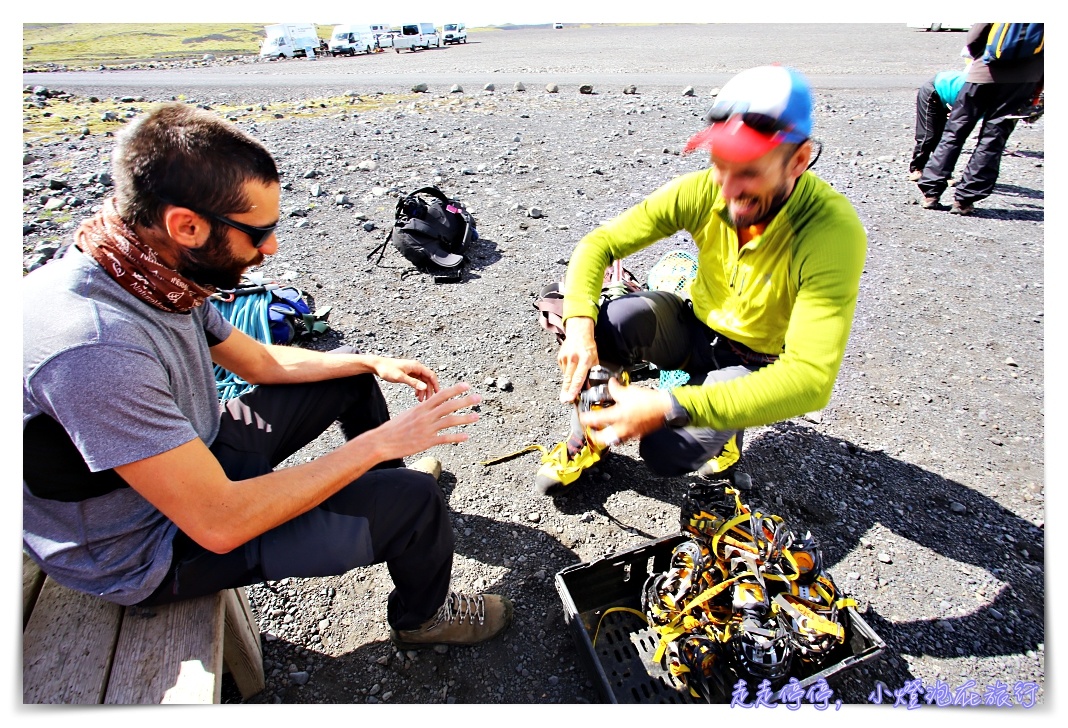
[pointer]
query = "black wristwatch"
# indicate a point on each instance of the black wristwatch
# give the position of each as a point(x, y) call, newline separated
point(677, 416)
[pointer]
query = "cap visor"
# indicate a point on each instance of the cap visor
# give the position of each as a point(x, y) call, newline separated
point(445, 260)
point(734, 141)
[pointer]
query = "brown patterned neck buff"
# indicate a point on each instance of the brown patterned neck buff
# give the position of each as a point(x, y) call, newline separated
point(134, 265)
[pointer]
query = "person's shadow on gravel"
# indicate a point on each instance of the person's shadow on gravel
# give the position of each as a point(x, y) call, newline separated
point(922, 543)
point(529, 553)
point(1030, 213)
point(1017, 191)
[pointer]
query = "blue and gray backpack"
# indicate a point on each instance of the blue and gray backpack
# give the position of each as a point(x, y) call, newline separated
point(271, 314)
point(1008, 42)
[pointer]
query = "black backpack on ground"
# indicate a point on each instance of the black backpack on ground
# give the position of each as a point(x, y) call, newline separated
point(432, 233)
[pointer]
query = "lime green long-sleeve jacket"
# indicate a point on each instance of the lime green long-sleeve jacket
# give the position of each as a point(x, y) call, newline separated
point(790, 291)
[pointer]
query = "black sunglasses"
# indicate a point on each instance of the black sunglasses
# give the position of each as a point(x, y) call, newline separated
point(258, 235)
point(762, 123)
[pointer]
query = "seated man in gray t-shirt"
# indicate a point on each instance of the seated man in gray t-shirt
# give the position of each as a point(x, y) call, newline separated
point(139, 488)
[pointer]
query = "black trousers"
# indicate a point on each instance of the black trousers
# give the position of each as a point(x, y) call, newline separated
point(390, 514)
point(660, 327)
point(993, 103)
point(931, 115)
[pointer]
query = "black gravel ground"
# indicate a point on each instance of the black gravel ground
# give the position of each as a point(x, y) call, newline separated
point(923, 479)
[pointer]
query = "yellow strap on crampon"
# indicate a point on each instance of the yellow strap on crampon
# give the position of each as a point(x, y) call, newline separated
point(789, 557)
point(685, 622)
point(731, 525)
point(635, 612)
point(807, 619)
point(517, 453)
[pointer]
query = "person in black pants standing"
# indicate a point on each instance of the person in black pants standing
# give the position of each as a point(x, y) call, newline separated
point(934, 100)
point(994, 92)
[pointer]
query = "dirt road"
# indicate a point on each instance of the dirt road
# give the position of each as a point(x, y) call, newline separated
point(663, 56)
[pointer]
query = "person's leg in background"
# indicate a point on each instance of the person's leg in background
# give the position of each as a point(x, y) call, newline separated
point(931, 115)
point(1000, 102)
point(966, 113)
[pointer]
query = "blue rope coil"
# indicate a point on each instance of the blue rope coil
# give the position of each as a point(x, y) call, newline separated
point(249, 315)
point(670, 378)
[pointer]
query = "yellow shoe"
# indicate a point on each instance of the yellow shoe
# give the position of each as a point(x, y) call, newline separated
point(558, 470)
point(730, 455)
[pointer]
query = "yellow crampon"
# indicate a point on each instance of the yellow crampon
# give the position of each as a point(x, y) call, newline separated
point(781, 601)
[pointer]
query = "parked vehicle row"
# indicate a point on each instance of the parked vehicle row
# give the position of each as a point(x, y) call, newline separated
point(416, 35)
point(293, 40)
point(352, 39)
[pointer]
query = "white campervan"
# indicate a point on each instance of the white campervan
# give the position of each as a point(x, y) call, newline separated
point(382, 34)
point(454, 33)
point(289, 40)
point(351, 39)
point(416, 35)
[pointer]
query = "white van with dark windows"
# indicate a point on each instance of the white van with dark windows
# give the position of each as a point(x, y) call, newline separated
point(454, 33)
point(416, 35)
point(351, 39)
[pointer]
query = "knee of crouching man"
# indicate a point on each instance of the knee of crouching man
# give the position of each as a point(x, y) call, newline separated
point(661, 461)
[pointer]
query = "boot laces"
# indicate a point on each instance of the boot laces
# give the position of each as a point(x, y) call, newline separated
point(458, 607)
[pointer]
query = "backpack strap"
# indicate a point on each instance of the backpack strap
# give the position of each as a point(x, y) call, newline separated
point(550, 307)
point(433, 192)
point(381, 248)
point(431, 231)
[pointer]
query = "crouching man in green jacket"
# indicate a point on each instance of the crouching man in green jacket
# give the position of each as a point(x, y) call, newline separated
point(780, 255)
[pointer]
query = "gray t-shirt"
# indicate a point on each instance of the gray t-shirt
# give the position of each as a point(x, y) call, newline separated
point(107, 380)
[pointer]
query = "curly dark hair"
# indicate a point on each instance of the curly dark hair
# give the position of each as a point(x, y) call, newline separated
point(185, 155)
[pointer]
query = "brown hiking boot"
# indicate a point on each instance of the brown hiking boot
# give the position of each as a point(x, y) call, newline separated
point(961, 208)
point(462, 620)
point(914, 175)
point(932, 203)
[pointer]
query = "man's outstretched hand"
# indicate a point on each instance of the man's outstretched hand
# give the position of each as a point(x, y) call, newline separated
point(410, 372)
point(424, 425)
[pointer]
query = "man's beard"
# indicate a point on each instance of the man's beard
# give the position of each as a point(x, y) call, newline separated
point(777, 201)
point(213, 264)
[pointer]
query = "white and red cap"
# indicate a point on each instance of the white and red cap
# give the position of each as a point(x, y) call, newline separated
point(756, 111)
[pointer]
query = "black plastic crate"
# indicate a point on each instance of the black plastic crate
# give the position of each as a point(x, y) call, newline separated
point(621, 665)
